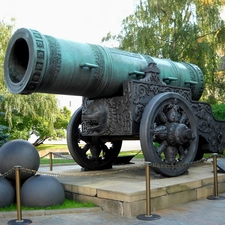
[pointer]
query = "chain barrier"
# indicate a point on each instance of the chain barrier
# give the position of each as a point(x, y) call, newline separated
point(7, 173)
point(58, 155)
point(62, 156)
point(221, 156)
point(155, 165)
point(44, 155)
point(174, 166)
point(95, 173)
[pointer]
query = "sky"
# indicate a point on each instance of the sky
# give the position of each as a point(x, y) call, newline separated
point(77, 20)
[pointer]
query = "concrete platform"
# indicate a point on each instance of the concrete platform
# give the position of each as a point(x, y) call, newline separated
point(122, 189)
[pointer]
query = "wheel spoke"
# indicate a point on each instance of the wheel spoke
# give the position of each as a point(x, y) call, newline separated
point(85, 149)
point(168, 120)
point(95, 154)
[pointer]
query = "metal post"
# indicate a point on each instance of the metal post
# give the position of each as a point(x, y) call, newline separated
point(19, 219)
point(148, 215)
point(215, 196)
point(215, 175)
point(18, 197)
point(50, 153)
point(148, 191)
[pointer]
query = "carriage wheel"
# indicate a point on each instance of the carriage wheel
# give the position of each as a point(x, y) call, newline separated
point(169, 133)
point(90, 152)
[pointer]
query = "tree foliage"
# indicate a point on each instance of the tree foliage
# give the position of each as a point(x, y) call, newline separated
point(5, 34)
point(4, 136)
point(180, 30)
point(25, 115)
point(30, 114)
point(219, 111)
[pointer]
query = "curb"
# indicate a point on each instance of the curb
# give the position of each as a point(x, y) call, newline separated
point(31, 213)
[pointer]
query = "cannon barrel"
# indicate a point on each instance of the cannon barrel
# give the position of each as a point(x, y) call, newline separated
point(40, 63)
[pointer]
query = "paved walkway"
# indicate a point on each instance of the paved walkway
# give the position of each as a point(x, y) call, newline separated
point(201, 212)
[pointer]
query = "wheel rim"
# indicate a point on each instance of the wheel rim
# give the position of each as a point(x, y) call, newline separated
point(168, 133)
point(90, 152)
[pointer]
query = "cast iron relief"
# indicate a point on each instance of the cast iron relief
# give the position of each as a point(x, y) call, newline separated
point(152, 86)
point(41, 52)
point(54, 64)
point(55, 57)
point(98, 72)
point(99, 116)
point(210, 128)
point(106, 116)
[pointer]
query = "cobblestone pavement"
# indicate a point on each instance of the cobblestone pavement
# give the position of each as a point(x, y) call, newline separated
point(201, 212)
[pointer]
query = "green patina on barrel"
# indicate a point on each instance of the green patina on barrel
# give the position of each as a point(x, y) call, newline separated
point(39, 63)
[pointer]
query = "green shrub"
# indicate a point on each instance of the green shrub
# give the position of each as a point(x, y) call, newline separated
point(219, 111)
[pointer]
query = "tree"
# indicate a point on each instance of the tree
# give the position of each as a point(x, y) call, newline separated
point(62, 121)
point(180, 30)
point(25, 115)
point(4, 136)
point(5, 34)
point(44, 130)
point(30, 114)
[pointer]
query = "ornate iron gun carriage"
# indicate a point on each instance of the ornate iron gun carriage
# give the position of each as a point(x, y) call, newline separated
point(126, 96)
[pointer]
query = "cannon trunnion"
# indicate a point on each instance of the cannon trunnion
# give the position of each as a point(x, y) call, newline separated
point(126, 96)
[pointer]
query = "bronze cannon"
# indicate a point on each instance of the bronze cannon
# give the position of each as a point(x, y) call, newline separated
point(126, 96)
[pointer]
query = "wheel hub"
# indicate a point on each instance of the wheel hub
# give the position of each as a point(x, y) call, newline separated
point(178, 134)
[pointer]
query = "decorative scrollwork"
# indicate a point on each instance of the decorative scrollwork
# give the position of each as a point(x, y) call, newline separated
point(212, 130)
point(143, 92)
point(99, 59)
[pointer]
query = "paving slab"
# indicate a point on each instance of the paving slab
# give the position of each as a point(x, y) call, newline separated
point(122, 189)
point(201, 212)
point(120, 193)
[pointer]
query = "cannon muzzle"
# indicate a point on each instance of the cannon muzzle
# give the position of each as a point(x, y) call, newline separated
point(39, 63)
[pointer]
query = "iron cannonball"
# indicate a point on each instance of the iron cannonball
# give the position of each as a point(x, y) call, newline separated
point(7, 193)
point(21, 153)
point(42, 191)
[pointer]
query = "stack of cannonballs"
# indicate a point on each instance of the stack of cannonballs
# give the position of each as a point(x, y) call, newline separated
point(36, 190)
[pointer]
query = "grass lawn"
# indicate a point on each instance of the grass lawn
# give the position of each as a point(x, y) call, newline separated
point(50, 147)
point(67, 204)
point(137, 153)
point(44, 161)
point(65, 161)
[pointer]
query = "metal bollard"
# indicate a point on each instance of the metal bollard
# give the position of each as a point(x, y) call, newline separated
point(19, 219)
point(50, 153)
point(215, 196)
point(148, 215)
